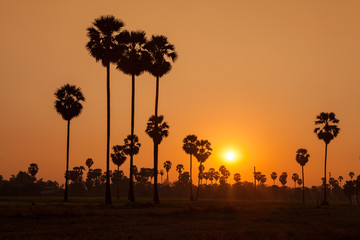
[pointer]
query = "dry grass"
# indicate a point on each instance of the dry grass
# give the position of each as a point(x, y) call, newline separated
point(49, 218)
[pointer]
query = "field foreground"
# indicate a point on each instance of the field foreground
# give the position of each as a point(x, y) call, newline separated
point(176, 219)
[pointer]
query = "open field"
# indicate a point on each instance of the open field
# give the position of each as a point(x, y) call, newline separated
point(49, 218)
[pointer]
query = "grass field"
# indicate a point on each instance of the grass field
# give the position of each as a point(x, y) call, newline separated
point(49, 218)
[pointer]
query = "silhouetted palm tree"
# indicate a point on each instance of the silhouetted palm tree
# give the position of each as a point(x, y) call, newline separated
point(273, 176)
point(302, 157)
point(68, 105)
point(340, 179)
point(157, 130)
point(203, 153)
point(161, 172)
point(103, 47)
point(132, 147)
point(190, 148)
point(33, 170)
point(327, 131)
point(295, 177)
point(167, 166)
point(237, 177)
point(133, 61)
point(118, 158)
point(283, 178)
point(351, 174)
point(179, 169)
point(89, 162)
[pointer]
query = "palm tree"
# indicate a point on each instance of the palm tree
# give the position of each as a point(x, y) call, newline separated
point(351, 174)
point(133, 61)
point(237, 177)
point(132, 147)
point(118, 158)
point(157, 130)
point(340, 179)
point(283, 178)
point(203, 153)
point(68, 105)
point(179, 169)
point(299, 182)
point(167, 166)
point(89, 162)
point(273, 176)
point(295, 177)
point(102, 46)
point(327, 131)
point(33, 170)
point(211, 174)
point(302, 157)
point(190, 148)
point(161, 172)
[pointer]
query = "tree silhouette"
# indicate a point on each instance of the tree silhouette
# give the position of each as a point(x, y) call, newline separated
point(326, 131)
point(189, 146)
point(273, 176)
point(302, 157)
point(211, 174)
point(161, 172)
point(157, 130)
point(283, 178)
point(167, 166)
point(33, 170)
point(68, 105)
point(89, 162)
point(216, 176)
point(351, 174)
point(103, 47)
point(295, 177)
point(237, 177)
point(133, 61)
point(179, 169)
point(340, 179)
point(299, 181)
point(131, 148)
point(262, 179)
point(203, 153)
point(118, 158)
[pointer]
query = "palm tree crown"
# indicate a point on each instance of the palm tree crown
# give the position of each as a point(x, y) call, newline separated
point(157, 129)
point(203, 150)
point(302, 156)
point(132, 145)
point(190, 144)
point(68, 101)
point(160, 50)
point(118, 157)
point(102, 44)
point(328, 129)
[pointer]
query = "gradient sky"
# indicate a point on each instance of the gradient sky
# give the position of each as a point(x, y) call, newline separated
point(251, 77)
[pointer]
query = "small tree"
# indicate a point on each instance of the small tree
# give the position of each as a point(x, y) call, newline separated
point(295, 177)
point(118, 158)
point(273, 176)
point(283, 178)
point(89, 162)
point(33, 170)
point(167, 166)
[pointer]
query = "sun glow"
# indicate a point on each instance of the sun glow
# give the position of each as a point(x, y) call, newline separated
point(230, 156)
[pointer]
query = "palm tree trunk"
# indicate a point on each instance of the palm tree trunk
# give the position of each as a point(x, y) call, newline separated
point(156, 194)
point(167, 176)
point(67, 163)
point(108, 193)
point(191, 195)
point(302, 169)
point(325, 202)
point(197, 191)
point(131, 182)
point(156, 146)
point(118, 185)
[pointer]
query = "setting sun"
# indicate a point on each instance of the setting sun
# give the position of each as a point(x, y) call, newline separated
point(230, 156)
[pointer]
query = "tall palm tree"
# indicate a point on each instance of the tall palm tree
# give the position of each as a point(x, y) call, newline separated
point(133, 61)
point(118, 157)
point(273, 176)
point(132, 147)
point(302, 157)
point(326, 131)
point(102, 46)
point(68, 105)
point(167, 166)
point(295, 177)
point(203, 153)
point(190, 148)
point(157, 130)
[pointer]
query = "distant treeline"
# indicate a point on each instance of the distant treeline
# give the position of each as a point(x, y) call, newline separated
point(26, 184)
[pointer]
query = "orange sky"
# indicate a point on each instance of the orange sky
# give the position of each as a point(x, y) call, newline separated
point(251, 75)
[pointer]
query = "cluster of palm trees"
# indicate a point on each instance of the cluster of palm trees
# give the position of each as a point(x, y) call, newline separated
point(133, 55)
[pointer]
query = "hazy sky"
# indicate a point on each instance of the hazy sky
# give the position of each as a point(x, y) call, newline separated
point(251, 77)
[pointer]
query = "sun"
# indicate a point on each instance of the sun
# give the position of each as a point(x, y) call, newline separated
point(230, 156)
